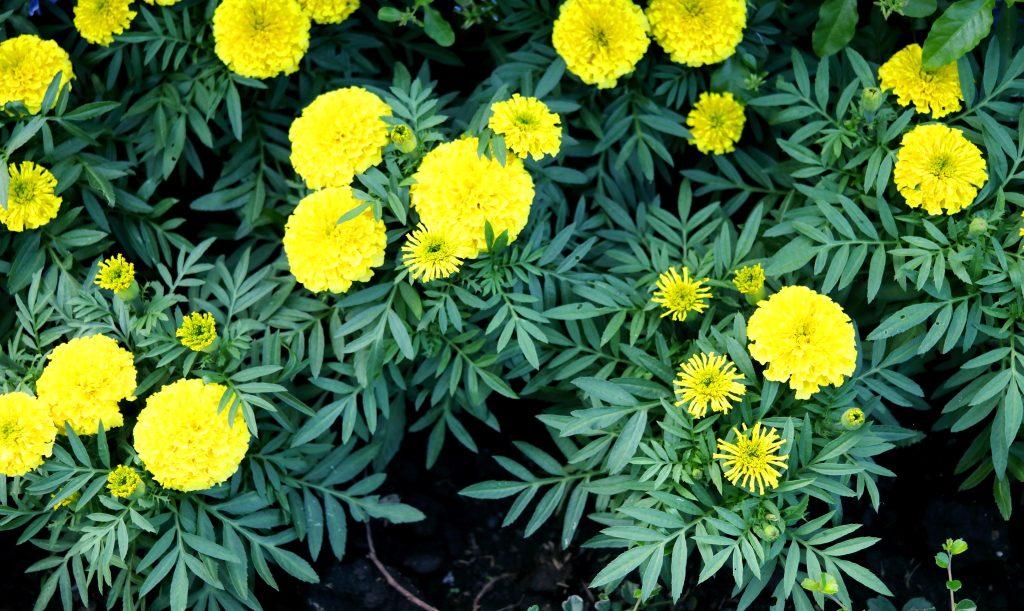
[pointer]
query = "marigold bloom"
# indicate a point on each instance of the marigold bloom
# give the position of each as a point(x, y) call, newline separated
point(339, 135)
point(184, 441)
point(750, 279)
point(1021, 230)
point(123, 482)
point(457, 191)
point(431, 254)
point(325, 255)
point(115, 274)
point(716, 123)
point(698, 32)
point(99, 20)
point(260, 38)
point(31, 202)
point(528, 126)
point(853, 418)
point(930, 91)
point(163, 2)
point(67, 501)
point(198, 331)
point(83, 382)
point(937, 168)
point(28, 64)
point(26, 433)
point(600, 40)
point(752, 462)
point(329, 11)
point(805, 338)
point(708, 380)
point(680, 295)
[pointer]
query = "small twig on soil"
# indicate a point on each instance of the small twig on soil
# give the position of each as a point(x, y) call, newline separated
point(487, 588)
point(409, 596)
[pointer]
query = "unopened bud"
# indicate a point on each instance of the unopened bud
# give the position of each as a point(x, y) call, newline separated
point(403, 138)
point(853, 418)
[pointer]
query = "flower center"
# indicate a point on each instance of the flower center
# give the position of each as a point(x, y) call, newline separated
point(942, 166)
point(21, 191)
point(524, 120)
point(600, 38)
point(694, 8)
point(9, 431)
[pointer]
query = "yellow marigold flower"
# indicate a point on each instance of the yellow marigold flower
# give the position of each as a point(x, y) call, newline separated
point(937, 168)
point(198, 331)
point(752, 462)
point(750, 279)
point(853, 418)
point(600, 40)
point(84, 381)
point(329, 11)
point(123, 482)
point(698, 32)
point(26, 433)
point(28, 65)
point(680, 295)
point(1021, 230)
point(805, 338)
point(260, 38)
point(706, 379)
point(716, 123)
point(528, 125)
point(930, 91)
point(431, 254)
point(184, 441)
point(325, 255)
point(339, 135)
point(67, 502)
point(99, 20)
point(115, 274)
point(31, 202)
point(163, 2)
point(458, 191)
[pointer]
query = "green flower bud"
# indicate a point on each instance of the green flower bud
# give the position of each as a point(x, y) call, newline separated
point(403, 138)
point(871, 100)
point(771, 532)
point(853, 418)
point(978, 227)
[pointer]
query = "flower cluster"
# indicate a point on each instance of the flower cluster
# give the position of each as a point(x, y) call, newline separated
point(198, 331)
point(938, 169)
point(28, 64)
point(698, 32)
point(680, 295)
point(600, 40)
point(329, 11)
point(708, 380)
point(752, 461)
point(98, 21)
point(261, 38)
point(115, 274)
point(26, 433)
point(930, 91)
point(716, 123)
point(31, 201)
point(528, 126)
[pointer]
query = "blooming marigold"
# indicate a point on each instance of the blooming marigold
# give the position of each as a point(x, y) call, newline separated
point(184, 441)
point(329, 11)
point(937, 168)
point(325, 255)
point(28, 65)
point(26, 433)
point(31, 202)
point(528, 126)
point(99, 20)
point(752, 462)
point(930, 91)
point(708, 380)
point(115, 274)
point(198, 331)
point(123, 482)
point(805, 338)
point(716, 123)
point(163, 2)
point(749, 280)
point(431, 254)
point(680, 295)
point(83, 382)
point(698, 32)
point(339, 135)
point(600, 40)
point(66, 501)
point(459, 191)
point(260, 38)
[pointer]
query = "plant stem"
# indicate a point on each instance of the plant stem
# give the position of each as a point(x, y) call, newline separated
point(409, 596)
point(949, 572)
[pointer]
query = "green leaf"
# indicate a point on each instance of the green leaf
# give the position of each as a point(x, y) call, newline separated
point(903, 320)
point(606, 391)
point(390, 14)
point(791, 257)
point(623, 564)
point(958, 30)
point(953, 585)
point(917, 8)
point(627, 442)
point(837, 23)
point(437, 28)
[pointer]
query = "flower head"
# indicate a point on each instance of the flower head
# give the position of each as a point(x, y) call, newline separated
point(329, 11)
point(84, 381)
point(28, 64)
point(752, 462)
point(938, 169)
point(716, 123)
point(528, 125)
point(99, 20)
point(339, 135)
point(123, 482)
point(31, 202)
point(1021, 230)
point(198, 331)
point(698, 32)
point(184, 441)
point(163, 2)
point(600, 40)
point(431, 254)
point(708, 380)
point(260, 38)
point(457, 191)
point(325, 255)
point(750, 279)
point(930, 91)
point(680, 295)
point(26, 433)
point(805, 338)
point(115, 274)
point(852, 419)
